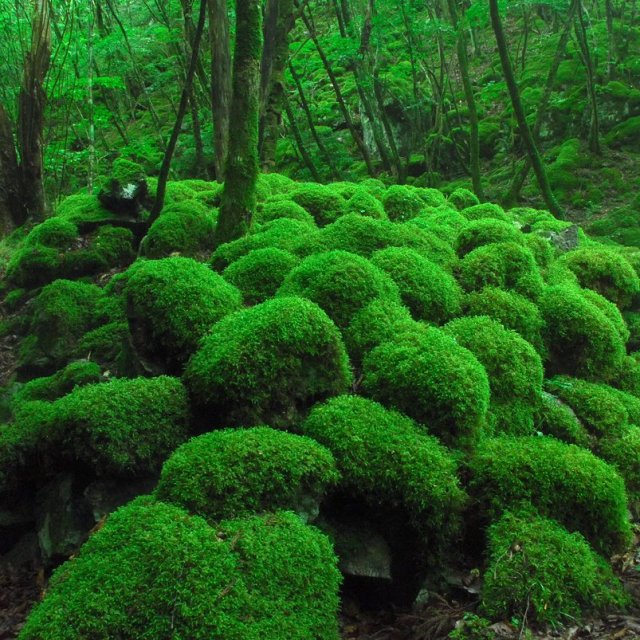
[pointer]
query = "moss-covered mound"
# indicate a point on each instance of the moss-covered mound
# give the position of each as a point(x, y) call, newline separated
point(604, 271)
point(239, 472)
point(558, 419)
point(401, 203)
point(280, 208)
point(485, 211)
point(462, 198)
point(324, 203)
point(123, 427)
point(539, 571)
point(513, 367)
point(260, 273)
point(431, 378)
point(339, 282)
point(268, 364)
point(186, 228)
point(511, 309)
point(428, 291)
point(486, 231)
point(171, 303)
point(153, 571)
point(365, 204)
point(387, 460)
point(581, 341)
point(505, 265)
point(564, 482)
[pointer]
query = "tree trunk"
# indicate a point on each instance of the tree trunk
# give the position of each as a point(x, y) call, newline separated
point(474, 139)
point(31, 105)
point(182, 109)
point(239, 194)
point(9, 176)
point(220, 82)
point(525, 132)
point(306, 157)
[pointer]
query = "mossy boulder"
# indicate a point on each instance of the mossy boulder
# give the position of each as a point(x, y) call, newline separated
point(486, 231)
point(611, 311)
point(268, 364)
point(539, 571)
point(324, 203)
point(171, 303)
point(238, 472)
point(622, 451)
point(260, 273)
point(564, 482)
point(462, 198)
point(275, 209)
point(364, 204)
point(505, 265)
point(432, 379)
point(510, 309)
point(341, 283)
point(558, 419)
point(186, 228)
point(123, 427)
point(153, 571)
point(485, 211)
point(604, 271)
point(428, 291)
point(581, 341)
point(401, 203)
point(513, 366)
point(357, 234)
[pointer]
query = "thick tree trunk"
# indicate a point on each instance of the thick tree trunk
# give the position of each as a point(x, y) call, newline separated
point(220, 82)
point(525, 132)
point(31, 105)
point(10, 202)
point(239, 194)
point(182, 109)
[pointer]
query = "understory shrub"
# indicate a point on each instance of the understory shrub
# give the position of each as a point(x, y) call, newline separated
point(431, 378)
point(268, 364)
point(238, 472)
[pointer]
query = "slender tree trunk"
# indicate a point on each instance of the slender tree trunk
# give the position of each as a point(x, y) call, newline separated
point(611, 42)
point(182, 109)
point(200, 168)
point(239, 194)
point(525, 132)
point(31, 105)
point(306, 157)
point(220, 82)
point(521, 175)
point(474, 138)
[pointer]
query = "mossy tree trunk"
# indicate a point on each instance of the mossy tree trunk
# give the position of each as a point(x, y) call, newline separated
point(239, 194)
point(9, 176)
point(220, 82)
point(182, 109)
point(474, 137)
point(525, 131)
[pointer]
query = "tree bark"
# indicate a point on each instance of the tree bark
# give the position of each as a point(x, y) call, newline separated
point(239, 193)
point(9, 176)
point(306, 157)
point(525, 132)
point(182, 109)
point(220, 82)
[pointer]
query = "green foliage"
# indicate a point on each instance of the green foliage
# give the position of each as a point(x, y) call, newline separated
point(432, 379)
point(268, 364)
point(272, 210)
point(564, 482)
point(580, 339)
point(321, 201)
point(504, 265)
point(123, 427)
point(604, 271)
point(186, 228)
point(401, 203)
point(596, 405)
point(153, 571)
point(341, 283)
point(512, 365)
point(486, 231)
point(511, 309)
point(558, 420)
point(259, 274)
point(428, 291)
point(620, 225)
point(173, 302)
point(239, 472)
point(539, 571)
point(386, 459)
